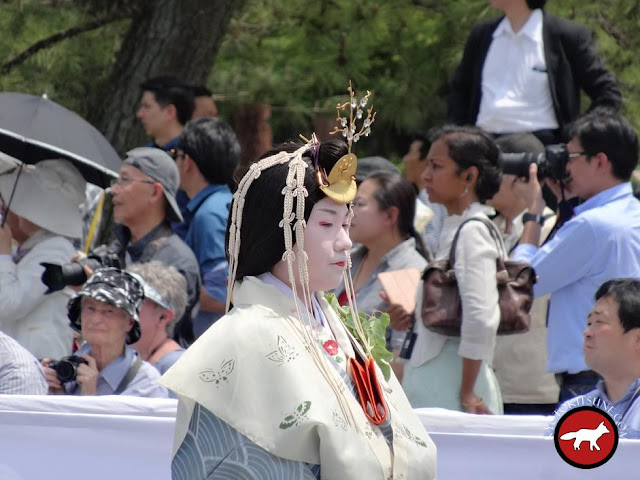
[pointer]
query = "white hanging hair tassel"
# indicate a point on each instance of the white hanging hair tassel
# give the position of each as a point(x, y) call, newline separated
point(305, 327)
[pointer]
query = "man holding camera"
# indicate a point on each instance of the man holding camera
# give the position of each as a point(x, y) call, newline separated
point(143, 204)
point(106, 312)
point(601, 241)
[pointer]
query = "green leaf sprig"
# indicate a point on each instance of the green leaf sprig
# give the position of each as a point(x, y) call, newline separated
point(374, 327)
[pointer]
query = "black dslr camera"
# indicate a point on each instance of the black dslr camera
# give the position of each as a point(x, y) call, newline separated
point(67, 368)
point(551, 164)
point(56, 277)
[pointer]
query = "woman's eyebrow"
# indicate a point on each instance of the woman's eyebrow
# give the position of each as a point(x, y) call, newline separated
point(328, 210)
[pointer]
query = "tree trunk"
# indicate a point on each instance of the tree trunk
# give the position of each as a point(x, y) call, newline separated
point(251, 124)
point(166, 37)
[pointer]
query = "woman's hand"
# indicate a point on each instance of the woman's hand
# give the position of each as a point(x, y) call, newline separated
point(472, 403)
point(5, 239)
point(87, 376)
point(399, 317)
point(50, 375)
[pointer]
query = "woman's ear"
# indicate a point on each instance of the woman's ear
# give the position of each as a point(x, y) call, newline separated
point(470, 175)
point(392, 215)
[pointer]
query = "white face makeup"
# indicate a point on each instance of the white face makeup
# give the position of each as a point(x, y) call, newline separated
point(326, 242)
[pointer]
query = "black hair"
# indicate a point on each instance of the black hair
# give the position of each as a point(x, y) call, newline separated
point(425, 144)
point(262, 238)
point(394, 190)
point(214, 148)
point(603, 130)
point(201, 91)
point(169, 90)
point(473, 147)
point(533, 4)
point(625, 291)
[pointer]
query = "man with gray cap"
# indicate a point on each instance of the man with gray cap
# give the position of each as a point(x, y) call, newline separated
point(106, 312)
point(143, 205)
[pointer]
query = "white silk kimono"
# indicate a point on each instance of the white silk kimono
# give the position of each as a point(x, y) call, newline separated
point(256, 376)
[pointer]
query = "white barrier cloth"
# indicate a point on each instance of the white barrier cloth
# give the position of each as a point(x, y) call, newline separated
point(129, 438)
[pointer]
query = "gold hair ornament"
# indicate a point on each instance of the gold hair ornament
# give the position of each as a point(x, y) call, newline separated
point(340, 184)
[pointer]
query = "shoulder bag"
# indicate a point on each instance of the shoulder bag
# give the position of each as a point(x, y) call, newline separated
point(441, 305)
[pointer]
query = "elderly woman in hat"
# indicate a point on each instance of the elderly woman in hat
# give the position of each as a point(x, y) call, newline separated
point(40, 204)
point(106, 312)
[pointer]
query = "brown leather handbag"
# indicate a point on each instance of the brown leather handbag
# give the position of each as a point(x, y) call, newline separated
point(441, 306)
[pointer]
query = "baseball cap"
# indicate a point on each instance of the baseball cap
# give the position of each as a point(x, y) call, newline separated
point(160, 166)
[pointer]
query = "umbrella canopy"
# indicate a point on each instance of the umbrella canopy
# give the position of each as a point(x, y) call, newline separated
point(35, 128)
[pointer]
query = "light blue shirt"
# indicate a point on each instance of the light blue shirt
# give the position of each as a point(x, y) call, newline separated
point(601, 242)
point(207, 214)
point(144, 384)
point(625, 412)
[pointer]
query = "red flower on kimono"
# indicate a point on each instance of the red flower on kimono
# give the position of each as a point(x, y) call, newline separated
point(331, 347)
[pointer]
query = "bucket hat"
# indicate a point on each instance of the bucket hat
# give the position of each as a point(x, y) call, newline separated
point(115, 287)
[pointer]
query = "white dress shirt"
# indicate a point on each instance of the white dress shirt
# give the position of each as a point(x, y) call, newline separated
point(515, 84)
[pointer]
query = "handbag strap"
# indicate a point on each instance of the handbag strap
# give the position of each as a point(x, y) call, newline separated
point(494, 234)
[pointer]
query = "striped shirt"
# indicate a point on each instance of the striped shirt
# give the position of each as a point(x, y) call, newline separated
point(20, 372)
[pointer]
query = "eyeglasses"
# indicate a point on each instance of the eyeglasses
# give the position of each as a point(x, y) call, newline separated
point(577, 154)
point(124, 181)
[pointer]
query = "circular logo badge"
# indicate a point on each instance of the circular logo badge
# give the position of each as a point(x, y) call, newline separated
point(586, 437)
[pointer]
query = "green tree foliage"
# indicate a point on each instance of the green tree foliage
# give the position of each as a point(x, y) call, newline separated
point(67, 72)
point(298, 55)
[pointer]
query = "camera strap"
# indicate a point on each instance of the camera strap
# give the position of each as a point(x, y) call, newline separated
point(133, 371)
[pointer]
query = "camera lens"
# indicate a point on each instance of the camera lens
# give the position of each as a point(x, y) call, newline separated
point(65, 370)
point(518, 163)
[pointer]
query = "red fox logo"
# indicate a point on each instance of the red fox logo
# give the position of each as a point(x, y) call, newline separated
point(586, 434)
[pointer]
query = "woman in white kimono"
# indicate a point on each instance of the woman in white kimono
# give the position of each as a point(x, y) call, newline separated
point(268, 391)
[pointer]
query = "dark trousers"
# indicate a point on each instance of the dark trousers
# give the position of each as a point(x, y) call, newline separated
point(575, 384)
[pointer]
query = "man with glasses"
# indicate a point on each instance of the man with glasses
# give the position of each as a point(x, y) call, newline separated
point(143, 205)
point(600, 242)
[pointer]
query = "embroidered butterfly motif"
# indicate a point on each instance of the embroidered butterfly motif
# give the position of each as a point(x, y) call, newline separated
point(219, 376)
point(296, 418)
point(285, 352)
point(339, 421)
point(368, 431)
point(415, 439)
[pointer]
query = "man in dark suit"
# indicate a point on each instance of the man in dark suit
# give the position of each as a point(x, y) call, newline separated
point(523, 72)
